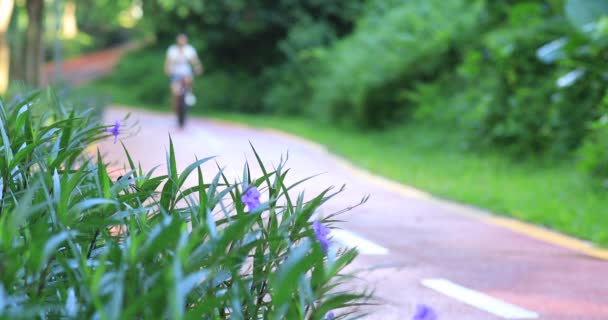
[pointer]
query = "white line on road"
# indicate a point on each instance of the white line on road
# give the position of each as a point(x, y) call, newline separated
point(479, 300)
point(352, 240)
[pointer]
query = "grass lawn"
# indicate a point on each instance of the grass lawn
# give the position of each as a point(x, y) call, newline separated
point(431, 158)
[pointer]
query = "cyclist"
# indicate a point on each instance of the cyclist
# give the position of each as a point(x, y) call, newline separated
point(181, 57)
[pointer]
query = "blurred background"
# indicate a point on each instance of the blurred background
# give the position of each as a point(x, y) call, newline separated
point(499, 103)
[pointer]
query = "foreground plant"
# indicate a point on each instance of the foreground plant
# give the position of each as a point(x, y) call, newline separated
point(76, 244)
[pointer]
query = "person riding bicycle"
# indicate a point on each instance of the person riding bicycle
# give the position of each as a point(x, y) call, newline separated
point(181, 57)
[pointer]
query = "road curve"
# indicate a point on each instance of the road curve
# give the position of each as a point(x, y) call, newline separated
point(408, 236)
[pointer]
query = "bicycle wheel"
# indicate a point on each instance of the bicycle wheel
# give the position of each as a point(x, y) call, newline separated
point(181, 111)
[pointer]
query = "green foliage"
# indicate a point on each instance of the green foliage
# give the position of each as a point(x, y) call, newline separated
point(394, 44)
point(230, 92)
point(216, 89)
point(245, 33)
point(517, 85)
point(101, 13)
point(257, 56)
point(522, 76)
point(82, 99)
point(81, 44)
point(102, 18)
point(144, 68)
point(594, 152)
point(292, 81)
point(534, 83)
point(78, 243)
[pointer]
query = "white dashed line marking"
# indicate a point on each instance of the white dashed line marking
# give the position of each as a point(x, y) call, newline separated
point(479, 300)
point(351, 240)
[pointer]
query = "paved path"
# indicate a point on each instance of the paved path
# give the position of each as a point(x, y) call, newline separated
point(411, 237)
point(88, 67)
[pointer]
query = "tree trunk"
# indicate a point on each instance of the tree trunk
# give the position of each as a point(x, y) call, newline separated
point(34, 48)
point(69, 26)
point(6, 11)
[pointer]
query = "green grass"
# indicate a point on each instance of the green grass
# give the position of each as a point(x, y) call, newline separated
point(433, 159)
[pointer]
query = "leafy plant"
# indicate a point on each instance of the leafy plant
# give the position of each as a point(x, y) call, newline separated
point(77, 242)
point(394, 45)
point(593, 153)
point(292, 81)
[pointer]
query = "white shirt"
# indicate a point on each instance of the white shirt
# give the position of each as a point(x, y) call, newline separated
point(180, 58)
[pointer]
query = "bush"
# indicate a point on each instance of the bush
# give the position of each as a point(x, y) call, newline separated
point(233, 91)
point(505, 73)
point(292, 86)
point(517, 76)
point(593, 153)
point(70, 48)
point(76, 243)
point(141, 74)
point(395, 44)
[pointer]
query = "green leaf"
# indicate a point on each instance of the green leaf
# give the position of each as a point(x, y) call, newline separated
point(184, 175)
point(53, 243)
point(287, 276)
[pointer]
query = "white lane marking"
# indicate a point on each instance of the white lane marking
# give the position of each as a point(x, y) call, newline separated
point(352, 240)
point(479, 300)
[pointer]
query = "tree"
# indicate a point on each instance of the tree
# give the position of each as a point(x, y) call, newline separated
point(6, 11)
point(34, 47)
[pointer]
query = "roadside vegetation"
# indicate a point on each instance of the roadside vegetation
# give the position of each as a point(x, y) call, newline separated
point(81, 240)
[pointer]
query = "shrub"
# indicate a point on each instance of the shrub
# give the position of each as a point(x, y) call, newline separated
point(142, 74)
point(292, 86)
point(76, 243)
point(233, 91)
point(517, 76)
point(593, 153)
point(395, 44)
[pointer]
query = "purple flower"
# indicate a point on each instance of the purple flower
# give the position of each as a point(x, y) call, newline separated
point(251, 198)
point(321, 232)
point(115, 130)
point(424, 312)
point(329, 315)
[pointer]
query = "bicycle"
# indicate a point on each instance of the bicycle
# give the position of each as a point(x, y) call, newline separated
point(185, 100)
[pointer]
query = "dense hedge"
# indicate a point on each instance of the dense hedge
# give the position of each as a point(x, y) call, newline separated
point(536, 84)
point(531, 109)
point(396, 44)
